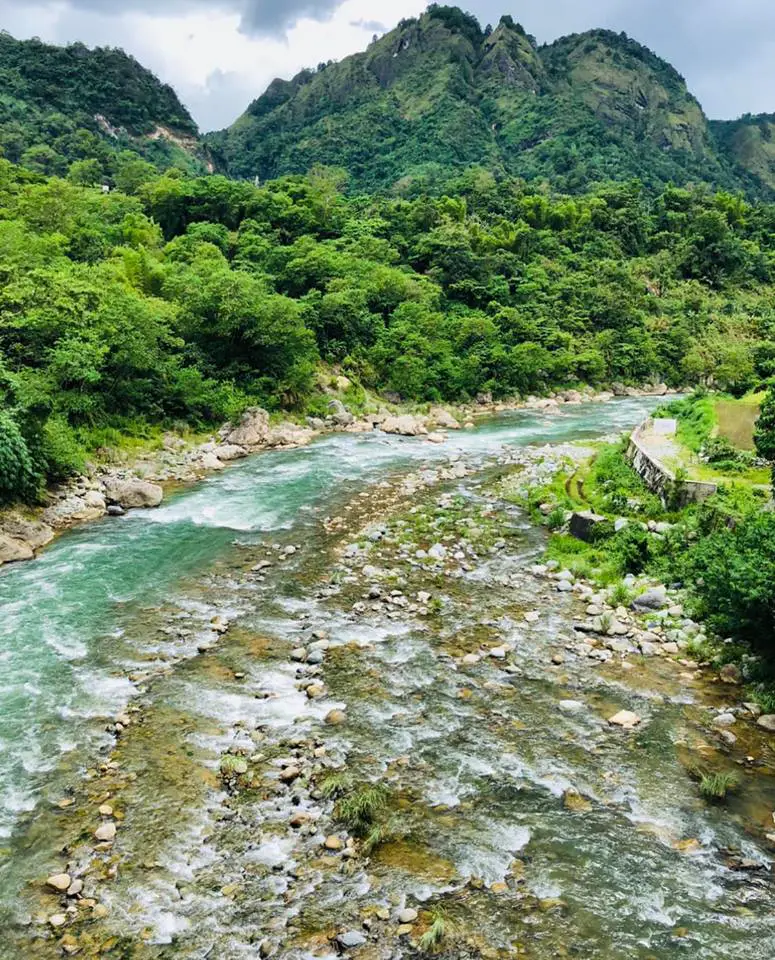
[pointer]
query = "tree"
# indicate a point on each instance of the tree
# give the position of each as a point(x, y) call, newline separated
point(764, 435)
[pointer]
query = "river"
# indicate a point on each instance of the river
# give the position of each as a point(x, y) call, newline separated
point(186, 616)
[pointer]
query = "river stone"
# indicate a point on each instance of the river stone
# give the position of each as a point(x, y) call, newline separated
point(59, 882)
point(57, 920)
point(75, 888)
point(654, 599)
point(583, 525)
point(625, 719)
point(570, 706)
point(409, 915)
point(437, 552)
point(352, 938)
point(290, 774)
point(333, 843)
point(443, 418)
point(106, 832)
point(132, 494)
point(230, 451)
point(252, 431)
point(335, 718)
point(767, 722)
point(405, 426)
point(32, 532)
point(731, 673)
point(564, 586)
point(725, 720)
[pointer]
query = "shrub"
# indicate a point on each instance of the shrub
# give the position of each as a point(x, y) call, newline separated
point(18, 478)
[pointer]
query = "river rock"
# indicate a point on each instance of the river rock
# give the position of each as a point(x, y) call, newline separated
point(290, 435)
point(767, 722)
point(105, 833)
point(252, 431)
point(654, 599)
point(350, 939)
point(69, 511)
point(405, 425)
point(75, 888)
point(59, 882)
point(333, 843)
point(731, 673)
point(12, 550)
point(335, 718)
point(133, 494)
point(340, 414)
point(409, 915)
point(32, 532)
point(227, 452)
point(583, 525)
point(57, 920)
point(443, 418)
point(625, 719)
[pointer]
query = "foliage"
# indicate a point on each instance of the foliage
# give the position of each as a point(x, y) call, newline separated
point(764, 434)
point(715, 787)
point(90, 110)
point(733, 577)
point(438, 94)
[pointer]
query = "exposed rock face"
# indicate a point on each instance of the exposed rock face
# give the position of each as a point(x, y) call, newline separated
point(132, 494)
point(253, 429)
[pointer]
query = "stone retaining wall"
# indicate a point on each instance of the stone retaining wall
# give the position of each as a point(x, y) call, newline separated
point(659, 478)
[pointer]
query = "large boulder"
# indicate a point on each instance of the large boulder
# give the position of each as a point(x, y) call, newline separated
point(133, 494)
point(12, 550)
point(654, 599)
point(444, 419)
point(405, 426)
point(290, 435)
point(252, 431)
point(584, 524)
point(340, 414)
point(227, 452)
point(74, 509)
point(33, 532)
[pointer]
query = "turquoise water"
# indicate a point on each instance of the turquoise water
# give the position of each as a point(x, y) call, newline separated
point(72, 626)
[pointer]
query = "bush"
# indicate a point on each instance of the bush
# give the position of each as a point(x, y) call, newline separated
point(18, 478)
point(632, 547)
point(734, 577)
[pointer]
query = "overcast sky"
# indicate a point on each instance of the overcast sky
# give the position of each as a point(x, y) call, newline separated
point(221, 54)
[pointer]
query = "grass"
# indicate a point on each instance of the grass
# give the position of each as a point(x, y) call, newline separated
point(434, 936)
point(360, 809)
point(336, 785)
point(714, 787)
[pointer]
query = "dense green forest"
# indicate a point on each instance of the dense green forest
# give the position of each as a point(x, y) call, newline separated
point(441, 92)
point(101, 108)
point(187, 299)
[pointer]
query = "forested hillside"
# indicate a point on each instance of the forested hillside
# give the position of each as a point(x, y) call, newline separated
point(188, 299)
point(60, 105)
point(439, 93)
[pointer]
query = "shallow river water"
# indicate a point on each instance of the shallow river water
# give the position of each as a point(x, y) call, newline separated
point(132, 614)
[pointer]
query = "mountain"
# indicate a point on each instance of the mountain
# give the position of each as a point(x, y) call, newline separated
point(750, 143)
point(439, 93)
point(64, 104)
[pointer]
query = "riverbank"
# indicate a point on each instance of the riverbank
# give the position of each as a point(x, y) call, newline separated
point(140, 483)
point(390, 729)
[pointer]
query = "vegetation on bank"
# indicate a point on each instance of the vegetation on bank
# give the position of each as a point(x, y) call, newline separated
point(722, 551)
point(181, 301)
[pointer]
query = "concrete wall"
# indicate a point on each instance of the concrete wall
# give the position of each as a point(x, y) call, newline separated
point(658, 477)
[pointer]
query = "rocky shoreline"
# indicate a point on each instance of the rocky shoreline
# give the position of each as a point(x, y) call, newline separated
point(111, 491)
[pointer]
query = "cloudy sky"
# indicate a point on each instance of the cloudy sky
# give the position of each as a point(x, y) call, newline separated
point(221, 54)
